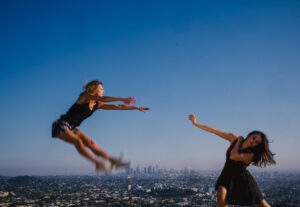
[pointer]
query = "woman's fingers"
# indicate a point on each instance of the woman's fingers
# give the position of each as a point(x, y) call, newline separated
point(129, 100)
point(192, 117)
point(143, 109)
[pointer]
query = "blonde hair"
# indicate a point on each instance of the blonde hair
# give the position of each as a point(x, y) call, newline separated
point(92, 86)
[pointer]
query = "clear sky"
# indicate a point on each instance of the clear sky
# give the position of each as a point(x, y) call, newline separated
point(234, 64)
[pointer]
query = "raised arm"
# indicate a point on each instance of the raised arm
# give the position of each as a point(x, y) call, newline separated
point(226, 135)
point(121, 107)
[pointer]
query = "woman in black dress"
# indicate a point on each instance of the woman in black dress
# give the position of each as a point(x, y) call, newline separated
point(236, 185)
point(66, 127)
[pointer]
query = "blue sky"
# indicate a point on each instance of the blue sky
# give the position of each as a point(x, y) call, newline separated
point(234, 64)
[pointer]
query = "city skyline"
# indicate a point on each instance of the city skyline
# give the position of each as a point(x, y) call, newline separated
point(233, 64)
point(168, 188)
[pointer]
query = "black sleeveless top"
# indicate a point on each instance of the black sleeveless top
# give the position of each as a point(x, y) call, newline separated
point(78, 112)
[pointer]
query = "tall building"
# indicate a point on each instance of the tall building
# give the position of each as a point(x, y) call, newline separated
point(149, 170)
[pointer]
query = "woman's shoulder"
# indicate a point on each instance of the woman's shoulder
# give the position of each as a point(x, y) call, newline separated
point(233, 142)
point(83, 98)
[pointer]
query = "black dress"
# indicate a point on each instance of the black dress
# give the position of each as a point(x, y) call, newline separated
point(239, 183)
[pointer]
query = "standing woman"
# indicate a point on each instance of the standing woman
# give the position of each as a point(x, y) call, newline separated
point(236, 185)
point(66, 127)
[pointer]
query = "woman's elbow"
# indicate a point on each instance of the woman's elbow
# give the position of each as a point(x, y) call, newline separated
point(232, 136)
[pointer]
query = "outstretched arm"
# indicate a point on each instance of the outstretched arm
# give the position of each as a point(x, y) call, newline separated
point(121, 107)
point(128, 100)
point(236, 156)
point(85, 96)
point(226, 135)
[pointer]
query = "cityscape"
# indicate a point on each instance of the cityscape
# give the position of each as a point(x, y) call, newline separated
point(147, 186)
point(233, 64)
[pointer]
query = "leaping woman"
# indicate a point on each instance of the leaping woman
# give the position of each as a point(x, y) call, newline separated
point(67, 129)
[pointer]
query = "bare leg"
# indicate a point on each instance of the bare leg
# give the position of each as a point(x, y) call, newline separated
point(94, 147)
point(221, 197)
point(70, 137)
point(263, 203)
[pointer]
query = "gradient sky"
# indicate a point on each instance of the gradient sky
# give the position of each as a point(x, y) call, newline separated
point(234, 64)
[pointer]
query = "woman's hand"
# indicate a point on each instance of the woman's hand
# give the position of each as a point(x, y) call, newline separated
point(236, 156)
point(129, 100)
point(192, 118)
point(240, 139)
point(143, 109)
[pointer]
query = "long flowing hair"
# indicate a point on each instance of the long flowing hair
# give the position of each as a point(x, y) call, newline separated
point(262, 153)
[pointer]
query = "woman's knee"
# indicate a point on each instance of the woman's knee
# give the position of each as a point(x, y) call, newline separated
point(79, 144)
point(221, 192)
point(86, 140)
point(90, 143)
point(221, 196)
point(263, 203)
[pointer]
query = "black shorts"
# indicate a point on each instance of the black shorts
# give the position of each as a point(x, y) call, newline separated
point(60, 126)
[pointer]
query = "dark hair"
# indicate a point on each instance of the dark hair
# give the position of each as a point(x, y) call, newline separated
point(262, 154)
